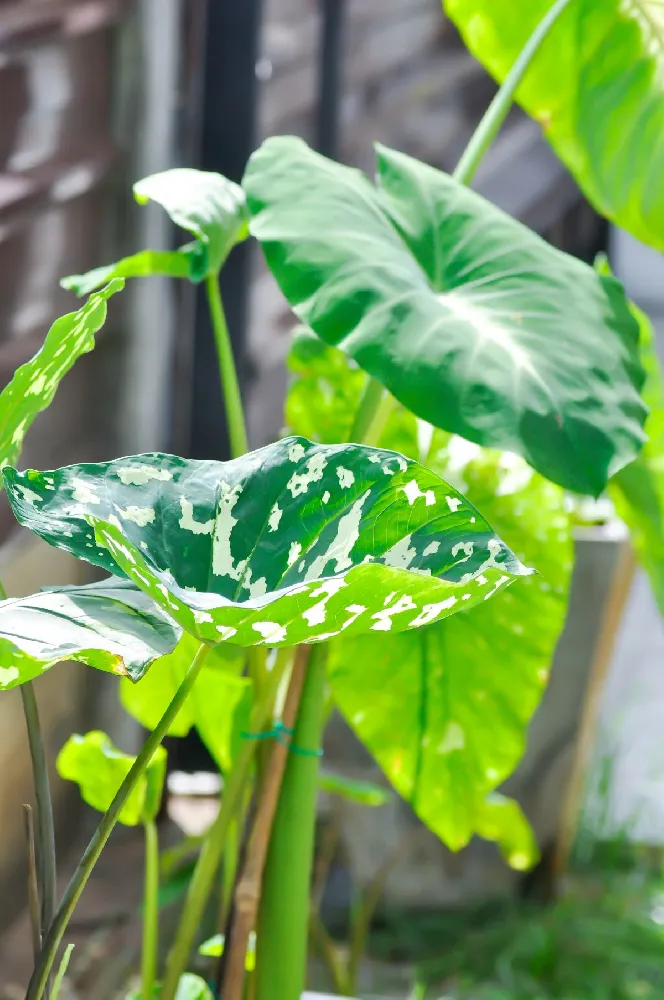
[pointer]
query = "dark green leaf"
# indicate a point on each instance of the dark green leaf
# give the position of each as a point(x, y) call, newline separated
point(34, 384)
point(99, 768)
point(115, 629)
point(182, 263)
point(218, 705)
point(293, 543)
point(467, 317)
point(205, 204)
point(596, 87)
point(365, 793)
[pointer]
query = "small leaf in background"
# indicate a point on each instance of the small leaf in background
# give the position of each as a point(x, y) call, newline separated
point(502, 821)
point(206, 204)
point(192, 987)
point(364, 793)
point(117, 629)
point(595, 86)
point(34, 384)
point(293, 543)
point(99, 768)
point(214, 948)
point(182, 263)
point(466, 316)
point(219, 703)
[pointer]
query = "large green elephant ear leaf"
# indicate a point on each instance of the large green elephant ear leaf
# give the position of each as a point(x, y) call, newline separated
point(596, 87)
point(117, 629)
point(451, 724)
point(637, 490)
point(208, 205)
point(34, 384)
point(293, 543)
point(219, 703)
point(468, 318)
point(99, 768)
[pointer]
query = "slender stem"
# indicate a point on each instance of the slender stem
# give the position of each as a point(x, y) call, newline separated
point(497, 111)
point(284, 910)
point(33, 888)
point(328, 952)
point(230, 387)
point(207, 866)
point(150, 910)
point(247, 894)
point(105, 828)
point(205, 871)
point(45, 826)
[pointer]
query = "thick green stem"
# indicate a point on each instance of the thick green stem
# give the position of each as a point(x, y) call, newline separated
point(368, 407)
point(230, 387)
point(497, 111)
point(284, 909)
point(150, 911)
point(104, 830)
point(46, 865)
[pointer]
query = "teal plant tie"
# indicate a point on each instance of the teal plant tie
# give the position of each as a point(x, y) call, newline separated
point(284, 736)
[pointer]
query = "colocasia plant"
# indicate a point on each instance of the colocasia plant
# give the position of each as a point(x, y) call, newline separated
point(404, 552)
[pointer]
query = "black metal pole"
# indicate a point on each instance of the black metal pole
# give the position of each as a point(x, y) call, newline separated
point(230, 93)
point(330, 76)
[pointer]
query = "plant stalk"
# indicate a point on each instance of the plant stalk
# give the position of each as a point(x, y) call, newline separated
point(150, 911)
point(497, 111)
point(109, 819)
point(284, 910)
point(33, 887)
point(45, 826)
point(247, 894)
point(207, 866)
point(230, 387)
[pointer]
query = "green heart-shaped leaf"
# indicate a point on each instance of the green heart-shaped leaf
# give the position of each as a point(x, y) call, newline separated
point(467, 317)
point(206, 204)
point(99, 769)
point(293, 543)
point(637, 490)
point(596, 87)
point(480, 674)
point(34, 384)
point(117, 629)
point(219, 703)
point(451, 724)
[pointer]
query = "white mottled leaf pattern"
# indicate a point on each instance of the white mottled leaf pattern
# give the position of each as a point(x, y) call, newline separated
point(34, 384)
point(293, 543)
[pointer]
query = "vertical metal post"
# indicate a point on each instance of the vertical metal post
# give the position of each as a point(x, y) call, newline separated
point(330, 76)
point(230, 93)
